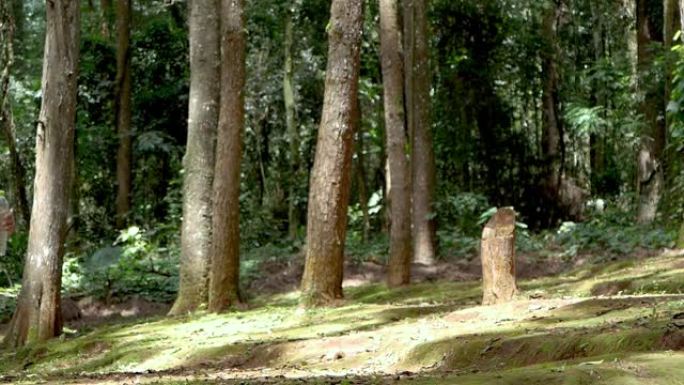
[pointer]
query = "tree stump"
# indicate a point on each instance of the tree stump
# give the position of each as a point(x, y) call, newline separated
point(498, 258)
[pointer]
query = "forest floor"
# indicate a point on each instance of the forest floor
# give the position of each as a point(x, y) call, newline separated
point(616, 322)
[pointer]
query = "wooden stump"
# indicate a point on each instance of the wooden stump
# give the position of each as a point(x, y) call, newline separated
point(498, 258)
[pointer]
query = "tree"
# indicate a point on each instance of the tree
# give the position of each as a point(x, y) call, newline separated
point(7, 37)
point(38, 316)
point(291, 122)
point(653, 139)
point(331, 174)
point(671, 24)
point(597, 141)
point(199, 156)
point(105, 17)
point(225, 256)
point(553, 148)
point(418, 84)
point(123, 110)
point(398, 174)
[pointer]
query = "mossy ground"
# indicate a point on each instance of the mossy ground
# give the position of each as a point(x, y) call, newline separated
point(602, 324)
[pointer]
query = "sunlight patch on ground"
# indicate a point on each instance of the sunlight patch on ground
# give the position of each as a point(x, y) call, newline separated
point(427, 328)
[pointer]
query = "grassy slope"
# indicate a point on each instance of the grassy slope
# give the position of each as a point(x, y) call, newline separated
point(568, 334)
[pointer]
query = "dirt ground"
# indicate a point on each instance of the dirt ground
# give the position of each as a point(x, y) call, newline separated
point(574, 323)
point(284, 277)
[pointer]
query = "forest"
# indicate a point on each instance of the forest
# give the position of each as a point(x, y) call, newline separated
point(342, 192)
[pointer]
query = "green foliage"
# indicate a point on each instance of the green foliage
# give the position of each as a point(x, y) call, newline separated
point(8, 299)
point(12, 264)
point(609, 235)
point(375, 249)
point(675, 149)
point(136, 264)
point(462, 210)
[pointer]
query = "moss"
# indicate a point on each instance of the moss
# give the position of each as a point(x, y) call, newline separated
point(425, 327)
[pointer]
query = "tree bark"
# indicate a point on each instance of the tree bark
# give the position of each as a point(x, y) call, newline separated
point(38, 313)
point(680, 238)
point(498, 258)
point(331, 174)
point(597, 151)
point(398, 172)
point(291, 124)
point(650, 159)
point(199, 156)
point(671, 25)
point(681, 19)
point(18, 180)
point(225, 262)
point(105, 17)
point(552, 130)
point(123, 111)
point(418, 84)
point(362, 178)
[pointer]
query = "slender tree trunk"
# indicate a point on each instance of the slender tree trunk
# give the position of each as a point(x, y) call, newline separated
point(291, 123)
point(199, 156)
point(680, 237)
point(671, 24)
point(362, 178)
point(123, 114)
point(552, 130)
point(105, 18)
point(7, 38)
point(398, 174)
point(680, 240)
point(38, 315)
point(597, 139)
point(225, 259)
point(650, 159)
point(331, 174)
point(18, 18)
point(418, 83)
point(681, 19)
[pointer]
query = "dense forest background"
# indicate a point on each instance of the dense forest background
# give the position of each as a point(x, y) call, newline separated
point(522, 92)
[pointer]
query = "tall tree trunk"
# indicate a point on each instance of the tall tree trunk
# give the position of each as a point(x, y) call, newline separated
point(650, 160)
point(123, 111)
point(291, 123)
point(7, 39)
point(398, 174)
point(418, 83)
point(331, 174)
point(552, 130)
point(199, 156)
point(225, 258)
point(671, 24)
point(362, 178)
point(38, 315)
point(680, 240)
point(18, 18)
point(597, 139)
point(680, 237)
point(105, 17)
